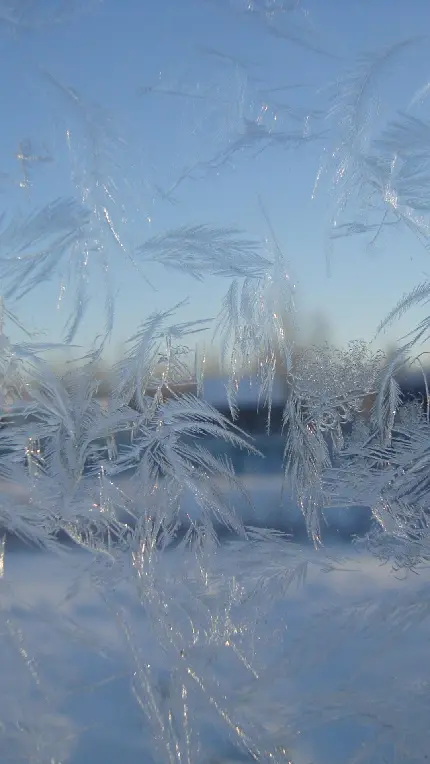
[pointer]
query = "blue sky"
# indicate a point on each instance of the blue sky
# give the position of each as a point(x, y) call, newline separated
point(112, 52)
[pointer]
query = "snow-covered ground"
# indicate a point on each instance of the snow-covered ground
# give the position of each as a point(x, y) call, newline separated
point(352, 669)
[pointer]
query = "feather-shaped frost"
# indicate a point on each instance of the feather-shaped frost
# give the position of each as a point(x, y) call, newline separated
point(419, 294)
point(155, 360)
point(169, 455)
point(95, 148)
point(369, 176)
point(255, 327)
point(388, 398)
point(204, 249)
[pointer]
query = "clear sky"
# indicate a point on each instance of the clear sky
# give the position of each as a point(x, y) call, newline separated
point(168, 85)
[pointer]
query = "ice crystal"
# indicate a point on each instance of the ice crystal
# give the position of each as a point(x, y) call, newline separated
point(128, 487)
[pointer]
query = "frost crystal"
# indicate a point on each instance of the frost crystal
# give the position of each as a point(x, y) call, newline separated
point(150, 585)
